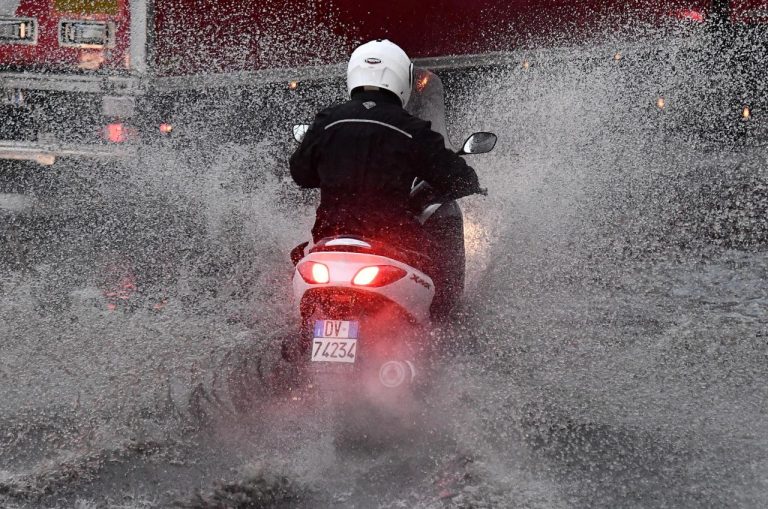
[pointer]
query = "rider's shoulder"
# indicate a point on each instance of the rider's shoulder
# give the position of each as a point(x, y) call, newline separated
point(333, 112)
point(325, 114)
point(417, 124)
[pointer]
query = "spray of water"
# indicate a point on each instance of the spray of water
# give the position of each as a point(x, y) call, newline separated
point(609, 352)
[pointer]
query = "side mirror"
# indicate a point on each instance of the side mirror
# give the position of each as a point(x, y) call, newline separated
point(479, 143)
point(299, 131)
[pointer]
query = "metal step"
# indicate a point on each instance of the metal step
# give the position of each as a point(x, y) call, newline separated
point(47, 153)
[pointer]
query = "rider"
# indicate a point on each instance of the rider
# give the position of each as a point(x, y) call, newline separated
point(364, 155)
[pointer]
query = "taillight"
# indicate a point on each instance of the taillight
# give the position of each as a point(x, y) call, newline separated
point(690, 15)
point(119, 133)
point(314, 273)
point(366, 276)
point(378, 275)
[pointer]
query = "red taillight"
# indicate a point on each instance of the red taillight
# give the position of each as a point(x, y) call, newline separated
point(314, 273)
point(366, 276)
point(378, 275)
point(118, 133)
point(690, 15)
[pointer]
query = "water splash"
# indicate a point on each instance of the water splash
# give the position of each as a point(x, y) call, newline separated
point(604, 309)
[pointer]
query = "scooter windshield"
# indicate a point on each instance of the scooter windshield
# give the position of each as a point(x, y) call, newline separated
point(428, 101)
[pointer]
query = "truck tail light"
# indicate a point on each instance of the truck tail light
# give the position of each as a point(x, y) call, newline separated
point(18, 30)
point(119, 133)
point(690, 15)
point(87, 34)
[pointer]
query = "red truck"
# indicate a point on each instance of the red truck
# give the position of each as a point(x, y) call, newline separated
point(83, 78)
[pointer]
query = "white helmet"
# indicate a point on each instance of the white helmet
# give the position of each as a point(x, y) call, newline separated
point(382, 64)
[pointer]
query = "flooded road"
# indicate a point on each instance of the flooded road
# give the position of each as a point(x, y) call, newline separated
point(611, 350)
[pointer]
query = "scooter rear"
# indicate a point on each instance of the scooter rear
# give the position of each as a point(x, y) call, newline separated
point(364, 317)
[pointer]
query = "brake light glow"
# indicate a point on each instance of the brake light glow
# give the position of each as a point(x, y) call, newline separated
point(422, 83)
point(366, 276)
point(314, 273)
point(115, 133)
point(118, 132)
point(378, 275)
point(690, 15)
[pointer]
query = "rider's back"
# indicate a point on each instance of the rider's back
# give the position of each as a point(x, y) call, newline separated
point(363, 155)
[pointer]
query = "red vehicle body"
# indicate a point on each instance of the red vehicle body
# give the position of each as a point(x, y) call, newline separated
point(199, 36)
point(101, 72)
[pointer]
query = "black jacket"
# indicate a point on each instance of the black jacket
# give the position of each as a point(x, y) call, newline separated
point(364, 155)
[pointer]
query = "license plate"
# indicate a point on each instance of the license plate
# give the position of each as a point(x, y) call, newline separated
point(335, 341)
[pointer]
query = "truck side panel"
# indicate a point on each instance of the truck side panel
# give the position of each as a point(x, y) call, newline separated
point(202, 36)
point(196, 36)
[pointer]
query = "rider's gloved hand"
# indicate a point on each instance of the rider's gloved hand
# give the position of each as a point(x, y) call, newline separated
point(421, 196)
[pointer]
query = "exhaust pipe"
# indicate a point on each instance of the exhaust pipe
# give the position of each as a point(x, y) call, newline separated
point(393, 374)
